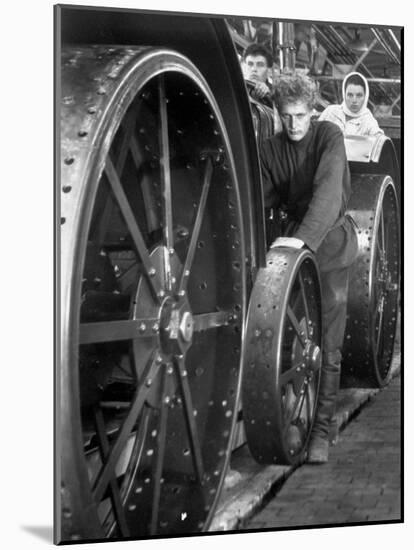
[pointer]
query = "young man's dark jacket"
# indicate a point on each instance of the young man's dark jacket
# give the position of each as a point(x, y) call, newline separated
point(310, 180)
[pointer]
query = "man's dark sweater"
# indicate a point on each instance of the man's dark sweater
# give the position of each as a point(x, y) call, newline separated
point(311, 179)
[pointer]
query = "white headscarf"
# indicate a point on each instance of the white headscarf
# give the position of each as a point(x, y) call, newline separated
point(364, 107)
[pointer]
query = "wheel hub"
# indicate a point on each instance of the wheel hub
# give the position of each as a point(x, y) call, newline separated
point(312, 356)
point(177, 326)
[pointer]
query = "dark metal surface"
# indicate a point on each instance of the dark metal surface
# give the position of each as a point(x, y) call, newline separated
point(153, 294)
point(374, 283)
point(373, 155)
point(283, 357)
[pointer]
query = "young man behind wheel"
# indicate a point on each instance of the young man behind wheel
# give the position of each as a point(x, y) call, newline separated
point(305, 174)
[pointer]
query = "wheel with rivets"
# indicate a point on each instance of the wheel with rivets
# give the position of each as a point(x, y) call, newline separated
point(374, 283)
point(283, 357)
point(152, 295)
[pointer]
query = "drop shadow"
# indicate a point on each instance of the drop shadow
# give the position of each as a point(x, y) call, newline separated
point(44, 532)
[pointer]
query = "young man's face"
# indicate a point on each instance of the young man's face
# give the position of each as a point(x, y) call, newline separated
point(296, 119)
point(354, 97)
point(256, 68)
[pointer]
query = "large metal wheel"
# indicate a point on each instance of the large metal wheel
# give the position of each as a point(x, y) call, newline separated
point(152, 295)
point(283, 357)
point(374, 283)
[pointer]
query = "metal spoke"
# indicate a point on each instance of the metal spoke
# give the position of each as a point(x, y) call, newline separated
point(291, 414)
point(129, 217)
point(113, 484)
point(108, 468)
point(296, 302)
point(146, 188)
point(126, 141)
point(119, 166)
point(113, 331)
point(197, 225)
point(291, 374)
point(190, 419)
point(296, 326)
point(303, 389)
point(380, 310)
point(382, 231)
point(159, 461)
point(308, 404)
point(206, 321)
point(166, 180)
point(304, 300)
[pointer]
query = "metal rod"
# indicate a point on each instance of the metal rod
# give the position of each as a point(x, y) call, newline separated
point(395, 39)
point(394, 103)
point(385, 46)
point(280, 41)
point(363, 56)
point(373, 80)
point(166, 180)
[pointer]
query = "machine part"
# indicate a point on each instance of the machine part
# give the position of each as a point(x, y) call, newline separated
point(153, 293)
point(373, 155)
point(283, 357)
point(374, 283)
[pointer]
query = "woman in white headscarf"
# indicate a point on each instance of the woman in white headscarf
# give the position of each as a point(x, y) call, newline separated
point(353, 115)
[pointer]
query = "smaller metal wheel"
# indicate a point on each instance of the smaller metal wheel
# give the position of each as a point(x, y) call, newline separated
point(283, 357)
point(374, 283)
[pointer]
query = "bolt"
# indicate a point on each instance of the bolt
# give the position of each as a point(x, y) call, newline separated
point(169, 369)
point(184, 373)
point(161, 294)
point(167, 399)
point(148, 382)
point(187, 272)
point(171, 251)
point(155, 327)
point(152, 272)
point(142, 327)
point(181, 293)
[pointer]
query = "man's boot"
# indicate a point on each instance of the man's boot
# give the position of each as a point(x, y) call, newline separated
point(318, 450)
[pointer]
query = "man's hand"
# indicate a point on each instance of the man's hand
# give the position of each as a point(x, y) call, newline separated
point(260, 90)
point(287, 241)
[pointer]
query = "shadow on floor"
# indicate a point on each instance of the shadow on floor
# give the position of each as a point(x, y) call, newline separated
point(44, 532)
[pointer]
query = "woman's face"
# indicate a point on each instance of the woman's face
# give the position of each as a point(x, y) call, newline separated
point(354, 97)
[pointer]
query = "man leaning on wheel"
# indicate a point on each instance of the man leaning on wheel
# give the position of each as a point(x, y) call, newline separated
point(305, 174)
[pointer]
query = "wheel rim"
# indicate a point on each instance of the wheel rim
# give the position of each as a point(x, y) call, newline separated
point(156, 300)
point(374, 283)
point(283, 357)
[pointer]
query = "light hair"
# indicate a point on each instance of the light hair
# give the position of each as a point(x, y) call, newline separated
point(295, 88)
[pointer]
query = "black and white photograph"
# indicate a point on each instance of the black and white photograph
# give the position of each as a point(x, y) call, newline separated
point(215, 330)
point(229, 273)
